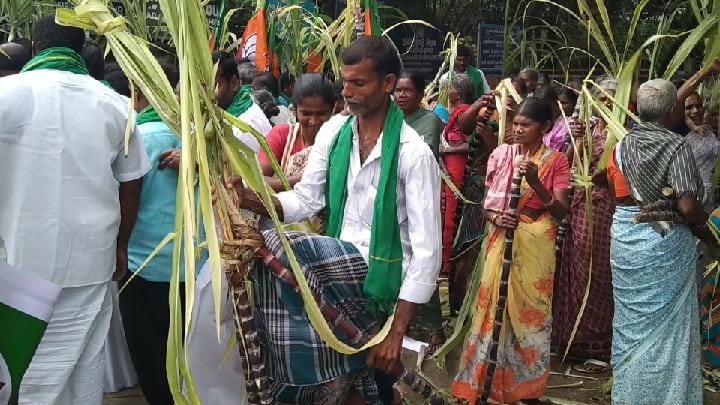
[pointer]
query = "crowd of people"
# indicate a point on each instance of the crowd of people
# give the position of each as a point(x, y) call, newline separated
point(399, 194)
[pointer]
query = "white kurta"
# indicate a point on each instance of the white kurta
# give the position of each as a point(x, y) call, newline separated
point(61, 156)
point(255, 117)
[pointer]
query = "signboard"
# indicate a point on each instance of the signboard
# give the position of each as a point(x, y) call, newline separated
point(154, 13)
point(490, 43)
point(420, 48)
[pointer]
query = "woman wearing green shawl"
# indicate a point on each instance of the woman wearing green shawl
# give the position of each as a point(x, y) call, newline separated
point(408, 95)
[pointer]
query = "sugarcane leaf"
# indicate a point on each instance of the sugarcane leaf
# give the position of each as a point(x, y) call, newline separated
point(605, 17)
point(696, 35)
point(419, 22)
point(147, 260)
point(633, 24)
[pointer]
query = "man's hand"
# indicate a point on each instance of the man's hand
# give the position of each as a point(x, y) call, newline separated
point(121, 263)
point(170, 158)
point(250, 201)
point(386, 355)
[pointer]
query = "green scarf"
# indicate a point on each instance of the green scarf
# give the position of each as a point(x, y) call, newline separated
point(148, 114)
point(58, 59)
point(384, 277)
point(477, 79)
point(242, 101)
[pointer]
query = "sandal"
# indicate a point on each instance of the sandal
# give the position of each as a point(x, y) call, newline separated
point(436, 340)
point(592, 366)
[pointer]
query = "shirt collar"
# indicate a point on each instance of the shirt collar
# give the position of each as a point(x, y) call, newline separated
point(403, 133)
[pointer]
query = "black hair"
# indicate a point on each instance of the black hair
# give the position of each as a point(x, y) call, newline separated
point(227, 65)
point(537, 109)
point(464, 50)
point(246, 71)
point(171, 72)
point(547, 92)
point(416, 78)
point(379, 50)
point(117, 79)
point(313, 85)
point(286, 79)
point(24, 42)
point(265, 100)
point(267, 81)
point(569, 93)
point(515, 79)
point(93, 56)
point(49, 34)
point(17, 57)
point(532, 72)
point(337, 89)
point(544, 78)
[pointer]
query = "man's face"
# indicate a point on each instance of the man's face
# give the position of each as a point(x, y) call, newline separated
point(530, 82)
point(461, 63)
point(225, 90)
point(364, 90)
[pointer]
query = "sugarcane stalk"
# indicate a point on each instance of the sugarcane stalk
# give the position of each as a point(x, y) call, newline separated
point(565, 223)
point(237, 254)
point(502, 290)
point(359, 22)
point(416, 382)
point(473, 154)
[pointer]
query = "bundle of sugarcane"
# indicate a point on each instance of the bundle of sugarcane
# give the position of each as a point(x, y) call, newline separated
point(469, 176)
point(503, 288)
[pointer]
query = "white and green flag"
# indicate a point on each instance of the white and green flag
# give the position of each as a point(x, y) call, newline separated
point(26, 305)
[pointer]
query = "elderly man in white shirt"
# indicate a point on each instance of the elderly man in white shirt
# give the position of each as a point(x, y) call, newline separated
point(62, 214)
point(356, 167)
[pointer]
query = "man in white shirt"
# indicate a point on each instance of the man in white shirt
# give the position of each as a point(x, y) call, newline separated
point(358, 150)
point(235, 96)
point(62, 214)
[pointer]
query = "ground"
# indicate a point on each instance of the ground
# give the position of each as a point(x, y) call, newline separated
point(561, 390)
point(574, 389)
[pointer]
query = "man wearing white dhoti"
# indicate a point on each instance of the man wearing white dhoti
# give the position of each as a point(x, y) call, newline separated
point(62, 214)
point(218, 378)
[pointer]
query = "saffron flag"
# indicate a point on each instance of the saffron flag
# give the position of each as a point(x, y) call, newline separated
point(26, 305)
point(372, 19)
point(255, 45)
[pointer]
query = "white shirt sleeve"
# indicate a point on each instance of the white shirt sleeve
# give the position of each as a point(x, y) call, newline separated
point(486, 86)
point(135, 164)
point(422, 196)
point(307, 198)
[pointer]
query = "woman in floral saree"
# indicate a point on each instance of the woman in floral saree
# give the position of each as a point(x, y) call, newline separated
point(523, 355)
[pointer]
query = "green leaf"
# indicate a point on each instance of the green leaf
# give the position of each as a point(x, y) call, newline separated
point(684, 50)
